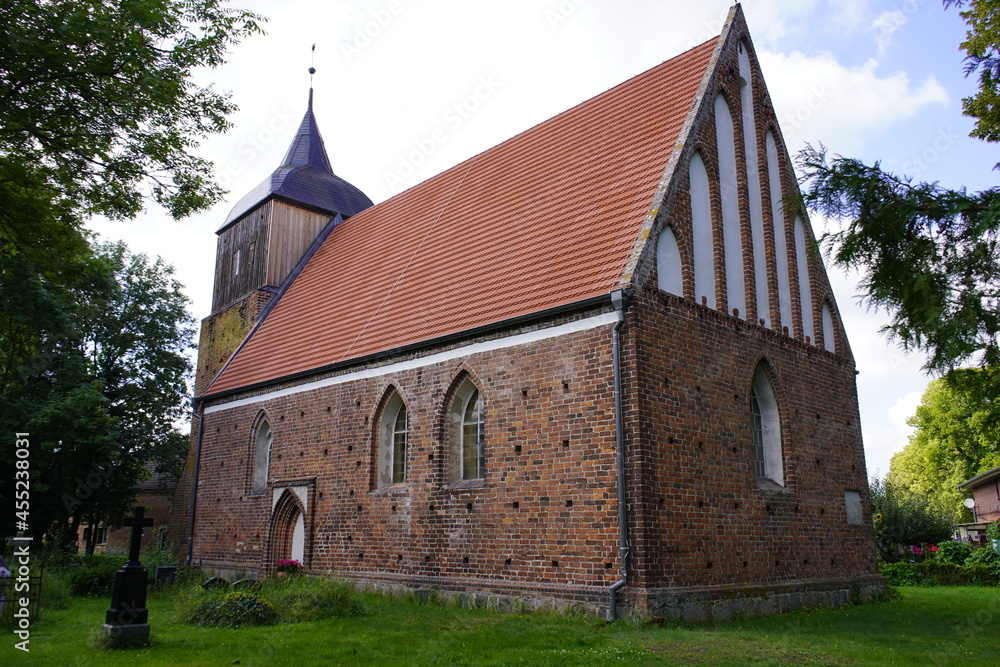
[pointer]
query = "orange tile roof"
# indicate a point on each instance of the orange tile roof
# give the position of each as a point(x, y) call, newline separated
point(545, 219)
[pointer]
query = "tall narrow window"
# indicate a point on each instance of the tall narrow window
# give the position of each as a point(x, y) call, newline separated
point(262, 456)
point(392, 442)
point(757, 435)
point(466, 453)
point(765, 430)
point(399, 447)
point(472, 437)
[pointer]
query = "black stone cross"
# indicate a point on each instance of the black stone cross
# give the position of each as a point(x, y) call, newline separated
point(136, 522)
point(127, 617)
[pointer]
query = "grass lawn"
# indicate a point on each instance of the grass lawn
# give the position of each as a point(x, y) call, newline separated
point(926, 626)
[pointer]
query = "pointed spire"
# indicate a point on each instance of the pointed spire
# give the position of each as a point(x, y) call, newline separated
point(305, 175)
point(307, 148)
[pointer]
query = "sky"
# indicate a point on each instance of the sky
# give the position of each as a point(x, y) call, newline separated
point(407, 88)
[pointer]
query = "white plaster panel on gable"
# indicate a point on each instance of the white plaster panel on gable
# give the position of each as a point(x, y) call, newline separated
point(780, 235)
point(754, 187)
point(731, 236)
point(701, 232)
point(668, 263)
point(300, 491)
point(805, 289)
point(829, 340)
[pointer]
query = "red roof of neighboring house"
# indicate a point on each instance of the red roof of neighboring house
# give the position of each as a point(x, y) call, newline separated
point(545, 219)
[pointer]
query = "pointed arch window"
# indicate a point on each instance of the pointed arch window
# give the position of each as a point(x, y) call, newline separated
point(466, 447)
point(701, 232)
point(261, 456)
point(668, 263)
point(829, 333)
point(392, 442)
point(765, 429)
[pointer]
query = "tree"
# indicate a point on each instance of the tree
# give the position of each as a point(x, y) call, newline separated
point(99, 109)
point(99, 116)
point(903, 519)
point(927, 254)
point(957, 436)
point(109, 385)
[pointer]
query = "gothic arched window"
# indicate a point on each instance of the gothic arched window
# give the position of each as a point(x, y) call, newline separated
point(765, 430)
point(261, 456)
point(466, 441)
point(392, 442)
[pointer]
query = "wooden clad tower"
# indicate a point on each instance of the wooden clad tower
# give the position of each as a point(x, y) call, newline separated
point(265, 237)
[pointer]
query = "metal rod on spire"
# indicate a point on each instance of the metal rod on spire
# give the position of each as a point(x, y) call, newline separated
point(312, 71)
point(312, 65)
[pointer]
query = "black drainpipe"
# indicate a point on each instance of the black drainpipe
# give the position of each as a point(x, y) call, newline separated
point(620, 301)
point(194, 481)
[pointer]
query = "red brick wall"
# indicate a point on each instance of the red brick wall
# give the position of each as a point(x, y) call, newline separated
point(987, 497)
point(546, 513)
point(701, 518)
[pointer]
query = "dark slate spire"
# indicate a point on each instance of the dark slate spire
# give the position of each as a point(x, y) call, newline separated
point(306, 178)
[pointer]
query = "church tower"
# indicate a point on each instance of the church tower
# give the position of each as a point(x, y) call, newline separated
point(265, 240)
point(266, 236)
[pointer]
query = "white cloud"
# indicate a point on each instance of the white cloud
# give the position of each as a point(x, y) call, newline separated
point(904, 408)
point(819, 99)
point(885, 25)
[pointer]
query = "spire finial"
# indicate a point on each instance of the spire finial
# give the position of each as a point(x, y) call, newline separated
point(312, 70)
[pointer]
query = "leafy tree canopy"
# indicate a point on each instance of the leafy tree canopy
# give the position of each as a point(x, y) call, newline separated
point(99, 116)
point(957, 437)
point(103, 386)
point(927, 254)
point(100, 112)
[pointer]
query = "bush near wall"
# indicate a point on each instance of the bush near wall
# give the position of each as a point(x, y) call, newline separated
point(931, 573)
point(94, 575)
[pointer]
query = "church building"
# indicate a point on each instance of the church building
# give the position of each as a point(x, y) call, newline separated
point(596, 366)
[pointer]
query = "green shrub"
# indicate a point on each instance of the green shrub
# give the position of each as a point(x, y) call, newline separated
point(993, 530)
point(953, 552)
point(94, 575)
point(931, 573)
point(153, 557)
point(900, 574)
point(987, 557)
point(233, 610)
point(902, 519)
point(312, 598)
point(979, 574)
point(55, 588)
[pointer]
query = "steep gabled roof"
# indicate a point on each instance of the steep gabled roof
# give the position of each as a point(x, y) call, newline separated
point(543, 220)
point(305, 177)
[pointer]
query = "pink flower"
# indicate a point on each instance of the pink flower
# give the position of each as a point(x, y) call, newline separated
point(916, 549)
